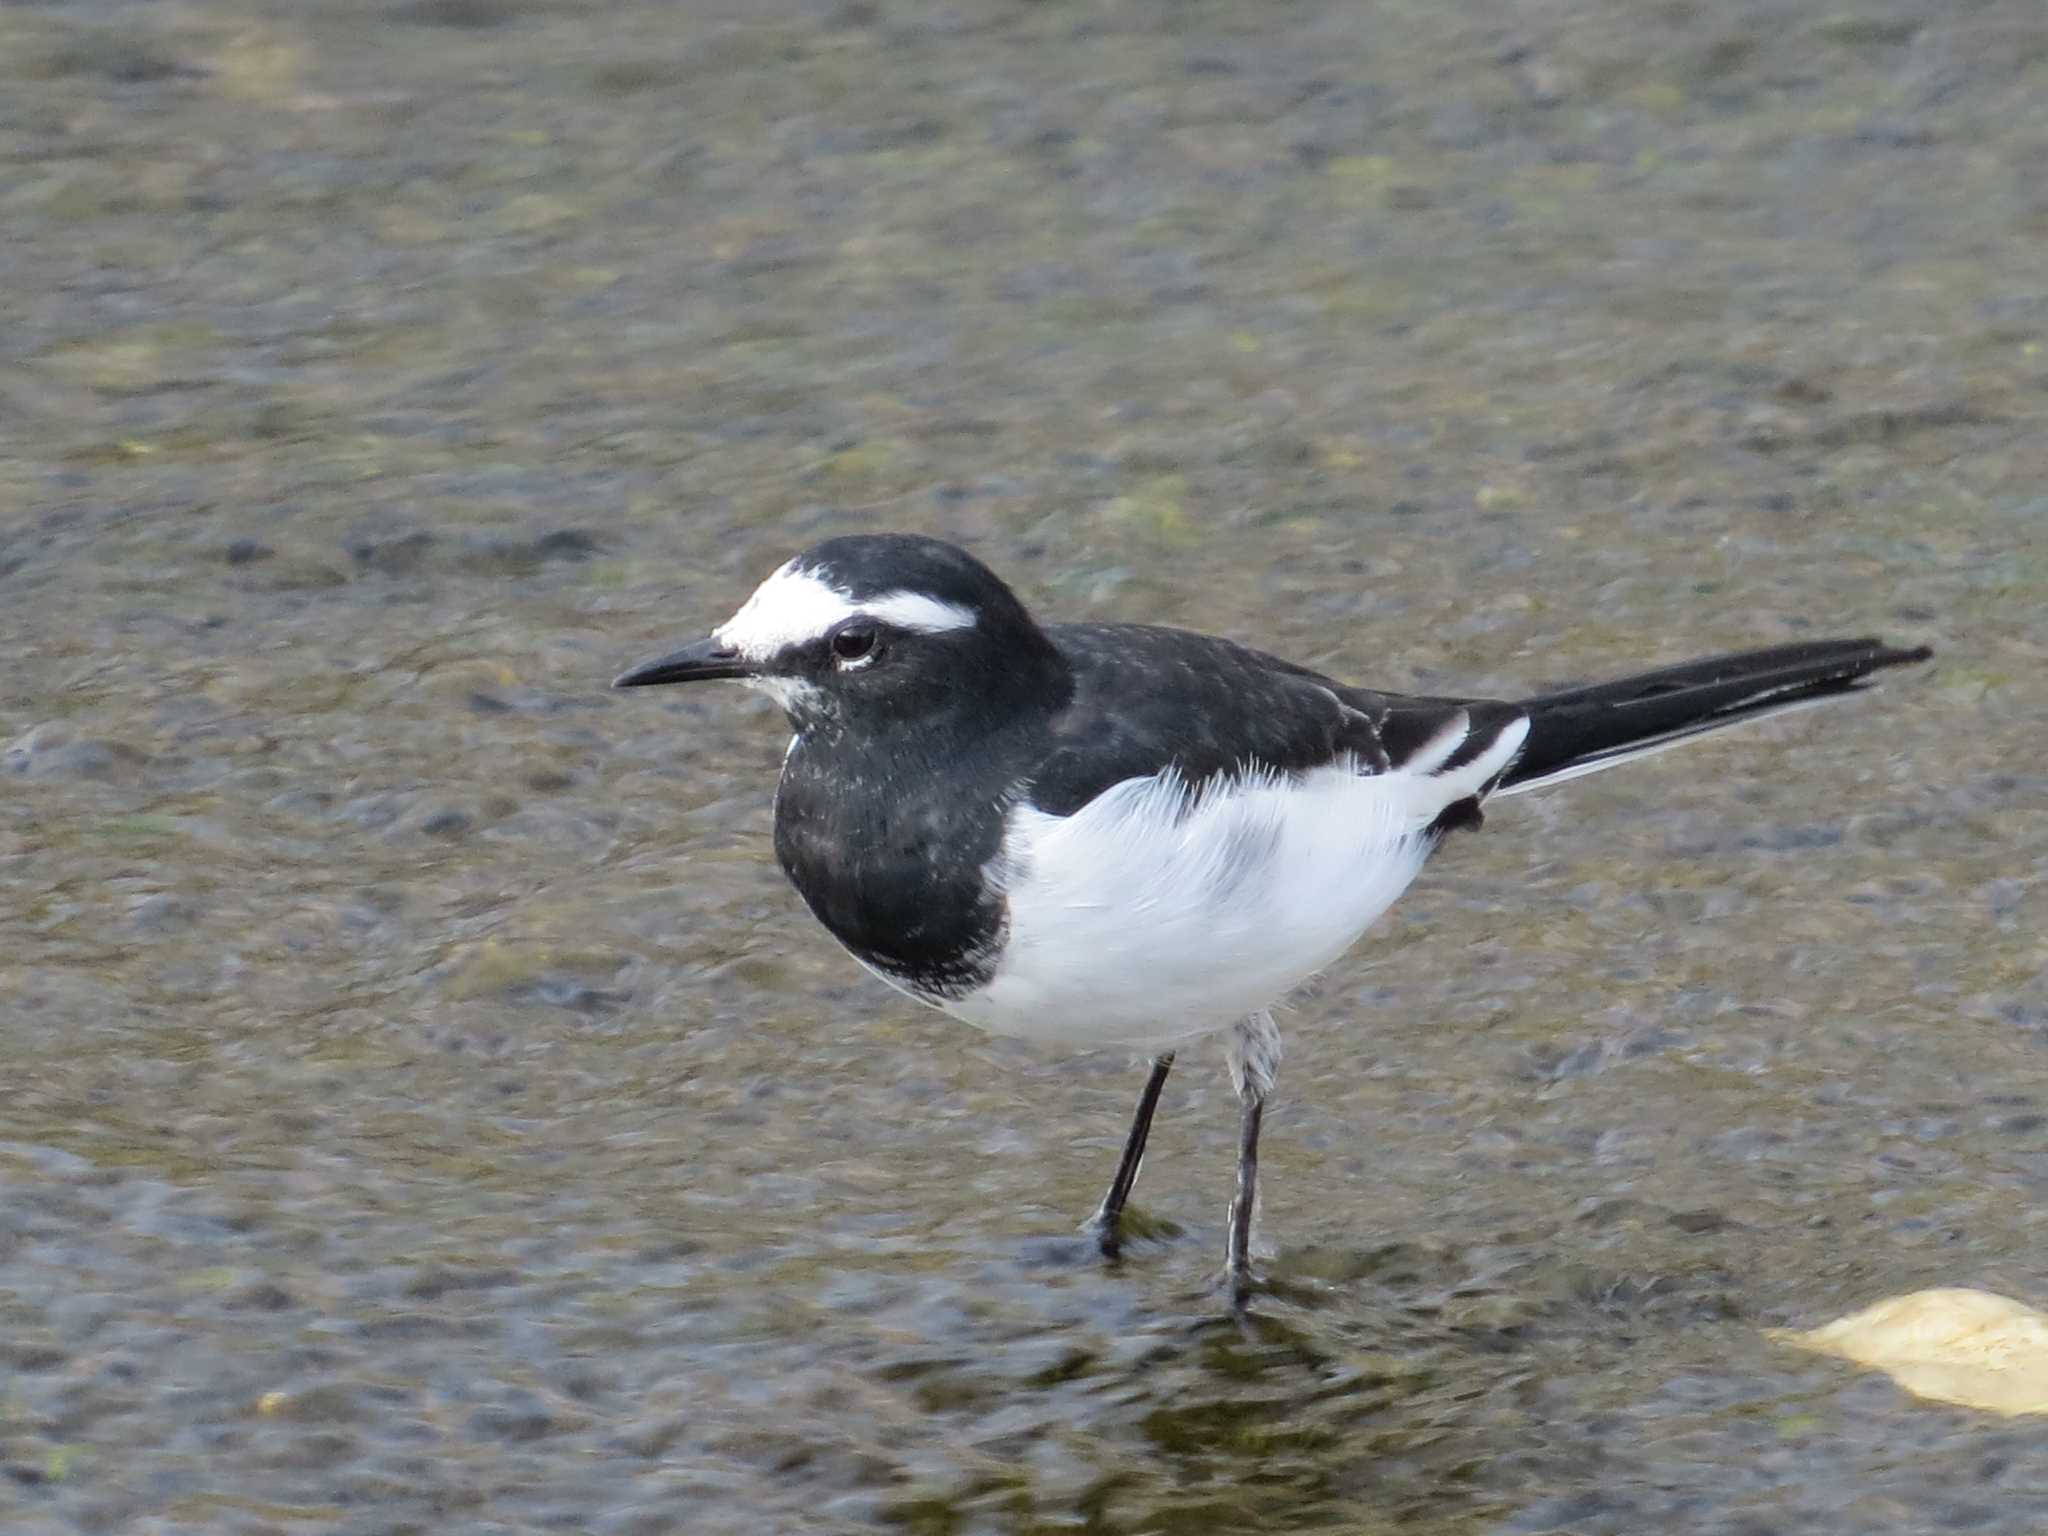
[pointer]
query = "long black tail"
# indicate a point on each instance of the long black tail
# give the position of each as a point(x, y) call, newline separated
point(1582, 730)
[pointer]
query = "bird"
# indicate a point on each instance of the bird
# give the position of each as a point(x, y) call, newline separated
point(1124, 835)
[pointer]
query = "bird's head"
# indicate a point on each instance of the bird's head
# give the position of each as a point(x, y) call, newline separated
point(877, 629)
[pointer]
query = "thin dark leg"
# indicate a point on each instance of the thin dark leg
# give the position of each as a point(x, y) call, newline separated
point(1238, 1255)
point(1254, 1057)
point(1110, 1213)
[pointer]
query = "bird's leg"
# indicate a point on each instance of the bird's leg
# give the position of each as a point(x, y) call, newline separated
point(1254, 1058)
point(1108, 1216)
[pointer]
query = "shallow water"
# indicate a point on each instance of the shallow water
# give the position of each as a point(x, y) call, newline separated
point(425, 1109)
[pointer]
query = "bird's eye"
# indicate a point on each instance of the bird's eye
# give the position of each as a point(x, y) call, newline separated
point(853, 642)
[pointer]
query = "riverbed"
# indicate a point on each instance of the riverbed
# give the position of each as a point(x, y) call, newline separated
point(424, 1107)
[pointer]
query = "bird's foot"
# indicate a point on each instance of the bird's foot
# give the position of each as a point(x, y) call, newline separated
point(1238, 1285)
point(1131, 1225)
point(1107, 1228)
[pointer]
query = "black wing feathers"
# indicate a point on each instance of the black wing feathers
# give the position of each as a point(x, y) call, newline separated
point(1145, 699)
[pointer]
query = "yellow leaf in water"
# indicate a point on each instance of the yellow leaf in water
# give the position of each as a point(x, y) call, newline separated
point(1949, 1345)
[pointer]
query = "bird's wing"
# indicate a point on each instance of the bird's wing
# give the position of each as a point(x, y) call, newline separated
point(1147, 700)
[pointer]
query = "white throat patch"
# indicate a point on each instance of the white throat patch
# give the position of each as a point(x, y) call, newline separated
point(794, 606)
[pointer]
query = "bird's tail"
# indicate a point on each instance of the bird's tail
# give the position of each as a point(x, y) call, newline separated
point(1583, 730)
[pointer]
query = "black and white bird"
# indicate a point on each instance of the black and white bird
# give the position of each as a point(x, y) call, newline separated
point(1122, 835)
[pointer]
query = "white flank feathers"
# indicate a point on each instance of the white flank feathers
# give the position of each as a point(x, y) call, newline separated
point(1144, 918)
point(793, 607)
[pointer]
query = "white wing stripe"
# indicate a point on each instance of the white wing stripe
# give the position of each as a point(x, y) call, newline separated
point(1437, 751)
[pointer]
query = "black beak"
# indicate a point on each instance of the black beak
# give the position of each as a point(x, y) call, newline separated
point(692, 664)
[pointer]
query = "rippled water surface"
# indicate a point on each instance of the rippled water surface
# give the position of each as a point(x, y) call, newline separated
point(424, 1108)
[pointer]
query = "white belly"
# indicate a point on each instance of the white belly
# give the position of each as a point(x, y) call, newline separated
point(1141, 919)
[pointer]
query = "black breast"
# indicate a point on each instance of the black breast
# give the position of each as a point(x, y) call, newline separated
point(891, 859)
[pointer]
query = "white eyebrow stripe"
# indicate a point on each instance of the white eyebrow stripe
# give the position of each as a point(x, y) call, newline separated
point(795, 606)
point(787, 608)
point(916, 611)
